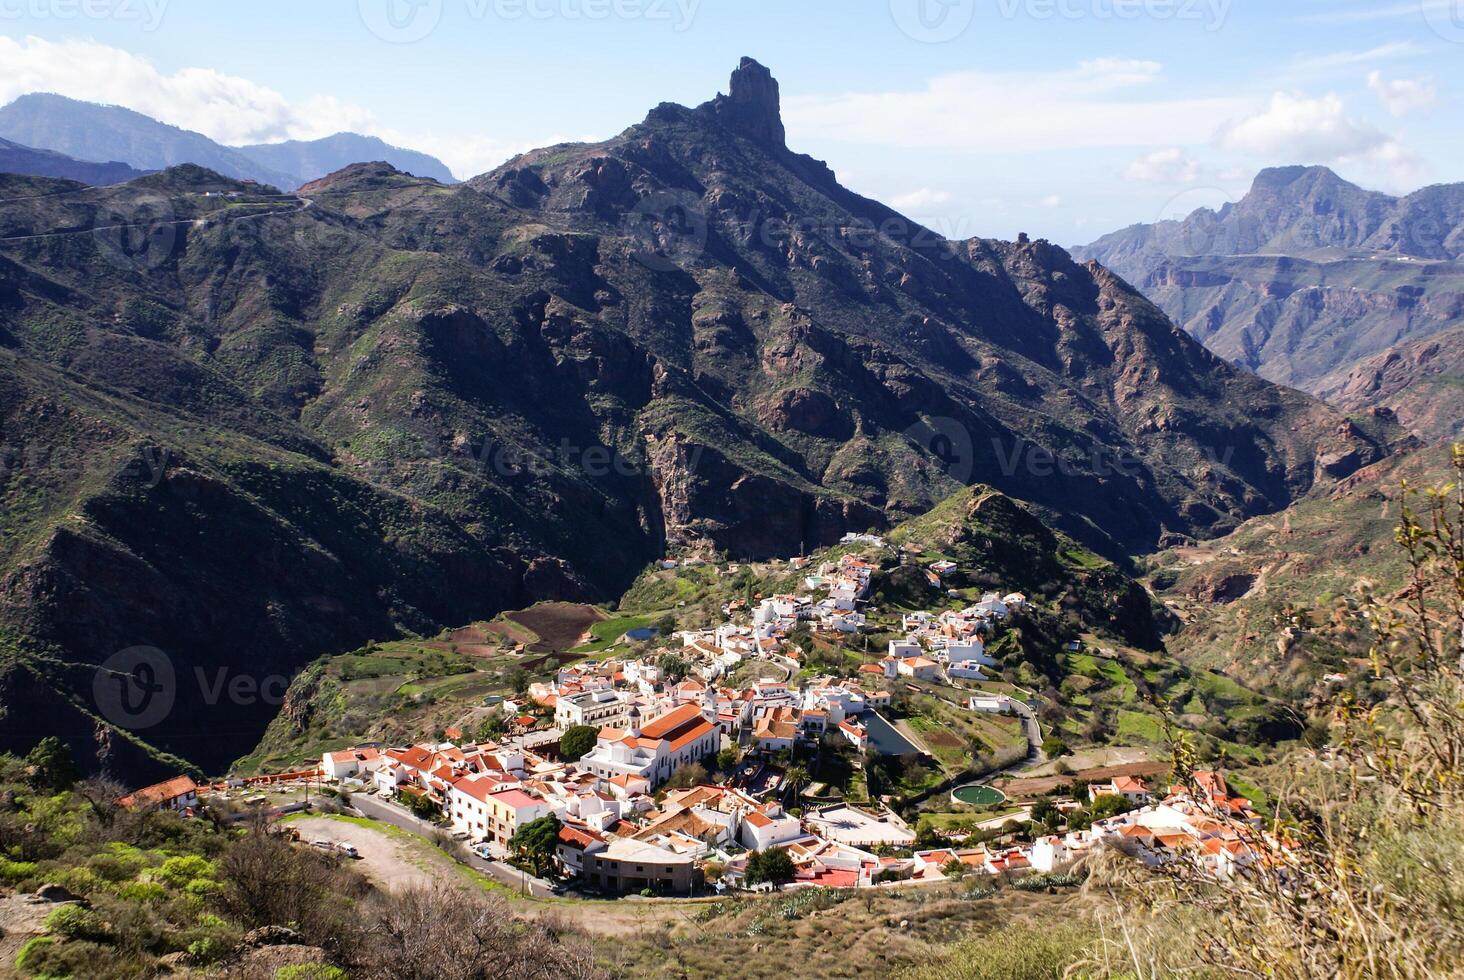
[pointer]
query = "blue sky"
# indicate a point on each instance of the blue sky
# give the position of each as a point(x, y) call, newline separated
point(1062, 118)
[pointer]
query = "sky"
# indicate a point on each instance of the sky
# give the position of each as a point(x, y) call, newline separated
point(1064, 119)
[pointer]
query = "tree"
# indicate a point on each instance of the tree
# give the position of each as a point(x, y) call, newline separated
point(1052, 747)
point(518, 679)
point(727, 759)
point(492, 727)
point(51, 766)
point(1109, 805)
point(535, 843)
point(420, 804)
point(673, 668)
point(773, 865)
point(688, 776)
point(954, 869)
point(796, 777)
point(577, 742)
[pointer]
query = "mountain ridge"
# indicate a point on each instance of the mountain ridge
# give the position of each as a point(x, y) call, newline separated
point(89, 130)
point(1304, 276)
point(435, 403)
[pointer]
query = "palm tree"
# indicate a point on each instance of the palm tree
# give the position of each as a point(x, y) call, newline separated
point(795, 777)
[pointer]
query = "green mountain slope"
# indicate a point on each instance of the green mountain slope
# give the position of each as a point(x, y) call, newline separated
point(430, 403)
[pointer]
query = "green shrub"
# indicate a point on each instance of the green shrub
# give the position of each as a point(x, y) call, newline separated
point(79, 880)
point(311, 971)
point(33, 953)
point(73, 922)
point(179, 872)
point(206, 951)
point(143, 891)
point(14, 872)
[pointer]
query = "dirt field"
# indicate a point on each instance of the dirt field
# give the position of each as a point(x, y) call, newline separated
point(558, 625)
point(1026, 788)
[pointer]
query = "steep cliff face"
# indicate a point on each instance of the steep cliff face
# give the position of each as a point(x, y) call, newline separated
point(252, 430)
point(1305, 275)
point(1421, 384)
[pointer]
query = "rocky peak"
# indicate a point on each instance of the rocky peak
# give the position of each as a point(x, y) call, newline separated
point(753, 106)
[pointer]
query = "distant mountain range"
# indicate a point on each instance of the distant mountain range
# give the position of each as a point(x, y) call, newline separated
point(314, 159)
point(257, 432)
point(17, 159)
point(1306, 275)
point(88, 131)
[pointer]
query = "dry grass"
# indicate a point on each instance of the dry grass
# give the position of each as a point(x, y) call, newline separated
point(873, 934)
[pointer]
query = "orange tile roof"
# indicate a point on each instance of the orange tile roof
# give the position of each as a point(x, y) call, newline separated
point(160, 793)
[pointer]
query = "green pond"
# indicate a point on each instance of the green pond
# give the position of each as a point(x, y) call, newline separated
point(978, 795)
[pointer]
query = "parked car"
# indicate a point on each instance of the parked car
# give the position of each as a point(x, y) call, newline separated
point(324, 845)
point(484, 852)
point(349, 850)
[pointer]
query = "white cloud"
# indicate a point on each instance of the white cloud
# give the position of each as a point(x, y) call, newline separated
point(1052, 201)
point(1403, 95)
point(225, 108)
point(920, 201)
point(1098, 103)
point(1171, 166)
point(1295, 128)
point(1299, 128)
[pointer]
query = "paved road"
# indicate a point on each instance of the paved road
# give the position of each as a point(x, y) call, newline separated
point(502, 873)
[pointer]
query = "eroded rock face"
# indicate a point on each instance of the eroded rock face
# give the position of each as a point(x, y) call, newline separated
point(753, 106)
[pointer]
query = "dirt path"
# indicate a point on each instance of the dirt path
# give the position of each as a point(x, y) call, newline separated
point(397, 861)
point(393, 863)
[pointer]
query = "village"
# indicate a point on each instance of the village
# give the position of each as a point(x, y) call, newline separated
point(615, 794)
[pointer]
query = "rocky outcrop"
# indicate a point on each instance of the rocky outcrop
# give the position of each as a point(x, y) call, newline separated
point(753, 106)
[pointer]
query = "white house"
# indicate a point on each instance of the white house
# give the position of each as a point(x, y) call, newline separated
point(677, 738)
point(903, 649)
point(350, 762)
point(768, 827)
point(920, 668)
point(992, 704)
point(597, 708)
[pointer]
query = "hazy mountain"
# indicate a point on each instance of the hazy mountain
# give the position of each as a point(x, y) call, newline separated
point(17, 159)
point(100, 132)
point(249, 432)
point(311, 160)
point(1306, 274)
